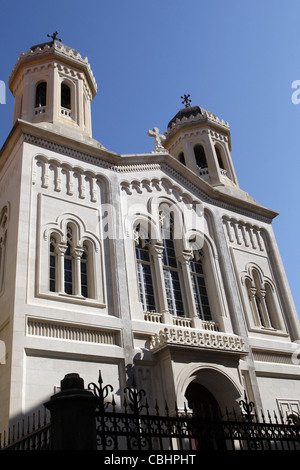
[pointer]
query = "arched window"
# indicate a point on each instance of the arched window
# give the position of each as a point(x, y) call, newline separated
point(84, 275)
point(41, 94)
point(200, 156)
point(53, 266)
point(182, 158)
point(65, 100)
point(199, 287)
point(171, 268)
point(219, 157)
point(145, 275)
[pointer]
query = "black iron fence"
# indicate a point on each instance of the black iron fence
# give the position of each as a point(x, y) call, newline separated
point(30, 434)
point(136, 428)
point(89, 419)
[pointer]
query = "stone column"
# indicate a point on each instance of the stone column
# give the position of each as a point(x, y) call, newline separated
point(60, 250)
point(77, 254)
point(156, 251)
point(184, 260)
point(73, 416)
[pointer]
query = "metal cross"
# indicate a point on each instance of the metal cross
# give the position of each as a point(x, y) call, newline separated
point(54, 36)
point(186, 100)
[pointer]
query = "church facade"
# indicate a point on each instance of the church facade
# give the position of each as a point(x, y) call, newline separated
point(157, 266)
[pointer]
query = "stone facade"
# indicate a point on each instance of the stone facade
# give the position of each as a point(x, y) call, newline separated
point(89, 282)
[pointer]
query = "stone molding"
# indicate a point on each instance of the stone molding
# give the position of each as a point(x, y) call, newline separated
point(71, 332)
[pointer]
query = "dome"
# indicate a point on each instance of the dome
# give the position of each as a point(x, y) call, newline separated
point(190, 112)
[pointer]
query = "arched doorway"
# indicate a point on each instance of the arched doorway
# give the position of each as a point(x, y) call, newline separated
point(201, 401)
point(210, 387)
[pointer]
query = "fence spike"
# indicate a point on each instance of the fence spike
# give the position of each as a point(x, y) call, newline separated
point(281, 417)
point(156, 408)
point(166, 408)
point(113, 402)
point(125, 403)
point(269, 416)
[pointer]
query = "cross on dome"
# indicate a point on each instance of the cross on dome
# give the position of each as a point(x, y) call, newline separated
point(54, 36)
point(186, 100)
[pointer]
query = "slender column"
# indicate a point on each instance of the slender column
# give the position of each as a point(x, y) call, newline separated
point(60, 250)
point(252, 293)
point(77, 254)
point(264, 308)
point(184, 260)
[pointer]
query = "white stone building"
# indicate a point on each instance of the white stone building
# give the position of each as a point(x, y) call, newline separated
point(156, 265)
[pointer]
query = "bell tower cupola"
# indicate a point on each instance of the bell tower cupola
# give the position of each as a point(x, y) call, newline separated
point(201, 141)
point(53, 86)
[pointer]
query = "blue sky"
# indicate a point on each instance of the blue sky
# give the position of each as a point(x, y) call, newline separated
point(235, 58)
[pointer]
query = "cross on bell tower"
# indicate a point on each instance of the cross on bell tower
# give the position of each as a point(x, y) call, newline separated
point(186, 100)
point(54, 36)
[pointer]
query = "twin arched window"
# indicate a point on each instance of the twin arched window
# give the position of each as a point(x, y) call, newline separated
point(263, 310)
point(41, 95)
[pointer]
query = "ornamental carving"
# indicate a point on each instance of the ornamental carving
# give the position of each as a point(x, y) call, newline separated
point(198, 339)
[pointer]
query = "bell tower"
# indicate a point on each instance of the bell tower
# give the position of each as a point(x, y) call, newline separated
point(53, 87)
point(201, 141)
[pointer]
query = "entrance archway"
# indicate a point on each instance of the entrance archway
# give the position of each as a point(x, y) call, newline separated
point(202, 401)
point(211, 388)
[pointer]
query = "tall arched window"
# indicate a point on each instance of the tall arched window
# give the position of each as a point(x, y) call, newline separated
point(65, 100)
point(200, 157)
point(171, 268)
point(41, 94)
point(199, 287)
point(145, 275)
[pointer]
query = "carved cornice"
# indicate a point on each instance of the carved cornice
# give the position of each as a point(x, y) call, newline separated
point(197, 339)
